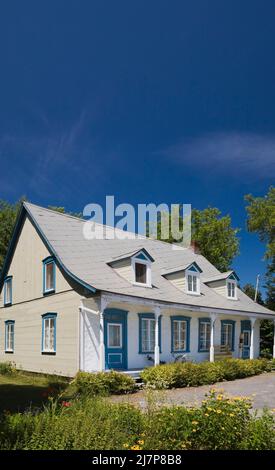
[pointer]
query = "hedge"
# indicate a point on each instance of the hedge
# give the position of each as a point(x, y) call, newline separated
point(188, 374)
point(104, 383)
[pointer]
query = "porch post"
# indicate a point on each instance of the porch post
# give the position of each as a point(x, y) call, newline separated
point(101, 335)
point(274, 339)
point(212, 332)
point(253, 320)
point(156, 351)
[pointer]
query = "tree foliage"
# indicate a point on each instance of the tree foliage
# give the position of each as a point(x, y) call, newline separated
point(261, 219)
point(213, 234)
point(8, 214)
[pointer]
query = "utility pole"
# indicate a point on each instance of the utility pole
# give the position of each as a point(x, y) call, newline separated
point(257, 288)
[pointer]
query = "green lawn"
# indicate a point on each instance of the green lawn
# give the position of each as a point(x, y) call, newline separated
point(21, 390)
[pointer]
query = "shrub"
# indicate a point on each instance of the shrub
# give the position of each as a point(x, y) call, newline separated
point(7, 368)
point(190, 374)
point(104, 383)
point(92, 423)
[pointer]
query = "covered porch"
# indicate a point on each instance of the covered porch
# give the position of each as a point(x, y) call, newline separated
point(125, 333)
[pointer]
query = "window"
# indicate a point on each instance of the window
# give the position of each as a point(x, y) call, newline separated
point(49, 333)
point(141, 271)
point(180, 328)
point(193, 282)
point(228, 333)
point(114, 335)
point(147, 333)
point(204, 334)
point(141, 265)
point(9, 336)
point(48, 275)
point(231, 289)
point(8, 291)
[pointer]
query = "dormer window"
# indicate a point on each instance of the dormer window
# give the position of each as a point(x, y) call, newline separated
point(231, 289)
point(141, 264)
point(231, 286)
point(193, 280)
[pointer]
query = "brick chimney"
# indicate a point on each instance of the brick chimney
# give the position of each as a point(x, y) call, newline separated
point(195, 247)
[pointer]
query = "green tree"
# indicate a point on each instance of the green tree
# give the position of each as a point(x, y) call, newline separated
point(270, 285)
point(250, 290)
point(8, 214)
point(266, 328)
point(261, 219)
point(213, 235)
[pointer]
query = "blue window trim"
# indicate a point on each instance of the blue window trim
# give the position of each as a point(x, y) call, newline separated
point(233, 323)
point(180, 318)
point(46, 261)
point(142, 316)
point(6, 281)
point(9, 322)
point(202, 320)
point(45, 317)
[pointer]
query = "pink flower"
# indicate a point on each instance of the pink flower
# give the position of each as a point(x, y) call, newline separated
point(66, 404)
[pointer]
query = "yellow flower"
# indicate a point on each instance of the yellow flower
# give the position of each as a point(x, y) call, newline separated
point(141, 442)
point(206, 414)
point(195, 422)
point(222, 428)
point(219, 412)
point(135, 447)
point(231, 414)
point(219, 397)
point(125, 446)
point(194, 430)
point(183, 446)
point(209, 409)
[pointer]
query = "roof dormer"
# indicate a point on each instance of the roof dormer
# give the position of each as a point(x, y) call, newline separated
point(224, 284)
point(135, 267)
point(185, 278)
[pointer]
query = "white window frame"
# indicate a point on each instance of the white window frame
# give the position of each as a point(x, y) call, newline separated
point(9, 337)
point(147, 263)
point(108, 335)
point(206, 326)
point(228, 327)
point(152, 323)
point(231, 281)
point(197, 276)
point(48, 319)
point(176, 350)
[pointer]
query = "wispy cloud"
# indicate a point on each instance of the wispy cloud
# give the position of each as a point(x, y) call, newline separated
point(235, 153)
point(55, 161)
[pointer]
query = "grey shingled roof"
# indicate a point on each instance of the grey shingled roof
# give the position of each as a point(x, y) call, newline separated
point(218, 277)
point(87, 260)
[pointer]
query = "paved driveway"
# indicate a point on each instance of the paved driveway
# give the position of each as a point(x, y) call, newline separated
point(260, 388)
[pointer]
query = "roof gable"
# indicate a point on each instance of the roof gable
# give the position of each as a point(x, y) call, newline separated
point(23, 213)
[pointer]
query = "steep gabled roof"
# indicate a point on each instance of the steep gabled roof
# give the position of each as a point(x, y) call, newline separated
point(86, 262)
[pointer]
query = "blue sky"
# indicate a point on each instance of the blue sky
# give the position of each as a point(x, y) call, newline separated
point(151, 101)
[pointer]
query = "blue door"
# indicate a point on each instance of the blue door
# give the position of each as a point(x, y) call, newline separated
point(246, 333)
point(115, 338)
